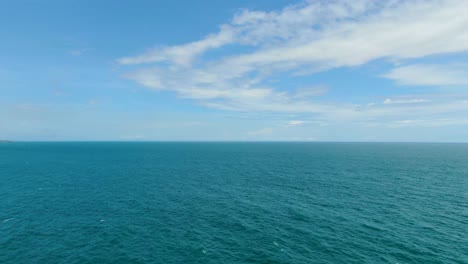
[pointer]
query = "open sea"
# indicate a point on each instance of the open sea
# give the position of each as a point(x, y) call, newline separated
point(124, 203)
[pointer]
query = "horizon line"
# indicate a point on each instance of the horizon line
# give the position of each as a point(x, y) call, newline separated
point(224, 141)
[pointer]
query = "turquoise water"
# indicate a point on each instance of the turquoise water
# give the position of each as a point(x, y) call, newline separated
point(233, 203)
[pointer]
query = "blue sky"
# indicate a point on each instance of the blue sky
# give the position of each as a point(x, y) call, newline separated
point(234, 70)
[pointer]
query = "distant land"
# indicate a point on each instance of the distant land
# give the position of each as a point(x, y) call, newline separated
point(5, 141)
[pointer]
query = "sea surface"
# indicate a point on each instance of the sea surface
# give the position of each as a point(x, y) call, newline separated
point(233, 203)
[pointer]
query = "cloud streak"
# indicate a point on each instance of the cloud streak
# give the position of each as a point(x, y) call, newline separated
point(307, 38)
point(430, 75)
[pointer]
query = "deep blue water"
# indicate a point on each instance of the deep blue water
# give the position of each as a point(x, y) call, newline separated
point(233, 203)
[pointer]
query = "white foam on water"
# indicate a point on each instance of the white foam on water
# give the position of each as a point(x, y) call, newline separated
point(7, 220)
point(274, 242)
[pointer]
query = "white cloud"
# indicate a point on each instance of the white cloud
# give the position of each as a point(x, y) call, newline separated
point(183, 55)
point(294, 123)
point(78, 52)
point(306, 38)
point(438, 122)
point(405, 101)
point(430, 74)
point(311, 91)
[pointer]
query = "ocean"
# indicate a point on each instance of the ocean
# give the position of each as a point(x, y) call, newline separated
point(149, 202)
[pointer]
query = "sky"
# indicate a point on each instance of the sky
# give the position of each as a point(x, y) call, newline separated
point(238, 70)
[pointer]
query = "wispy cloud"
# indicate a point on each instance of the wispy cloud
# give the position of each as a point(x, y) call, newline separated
point(429, 123)
point(294, 123)
point(307, 92)
point(78, 52)
point(183, 55)
point(405, 101)
point(430, 74)
point(311, 37)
